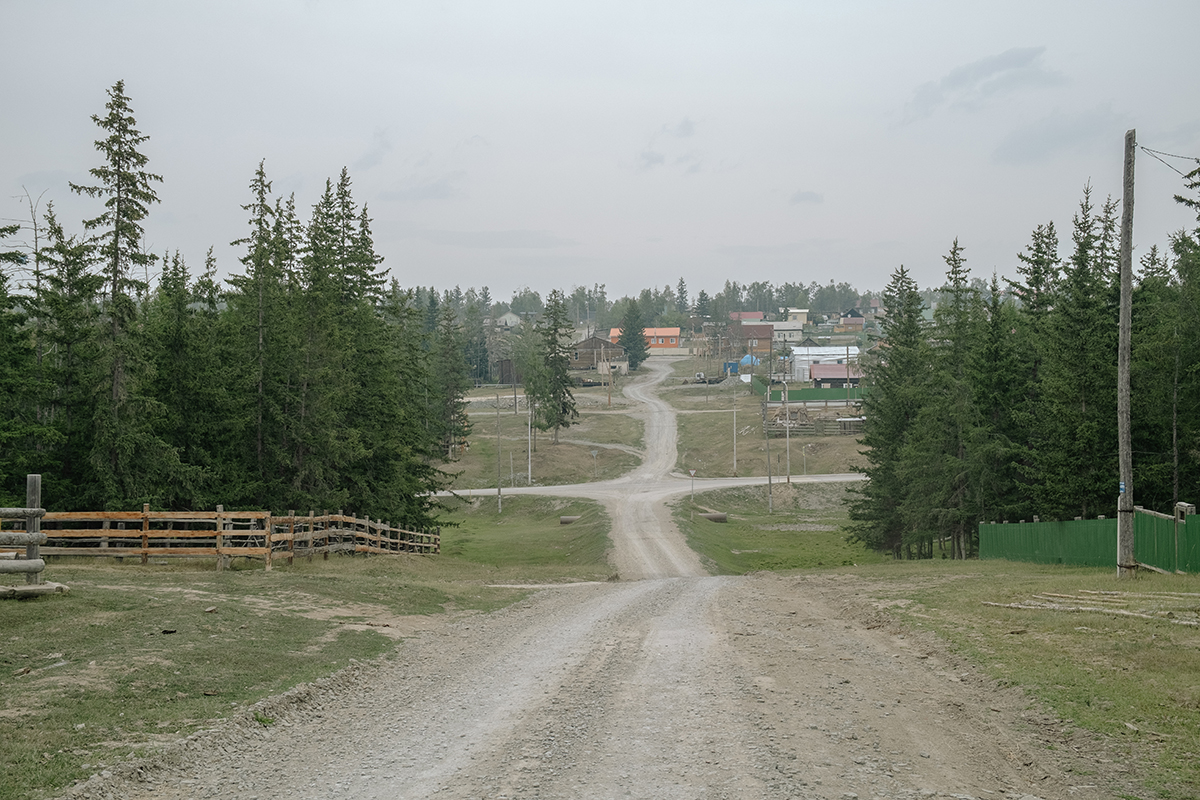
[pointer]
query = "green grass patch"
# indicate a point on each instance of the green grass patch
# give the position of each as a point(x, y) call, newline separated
point(526, 542)
point(137, 656)
point(1133, 678)
point(803, 530)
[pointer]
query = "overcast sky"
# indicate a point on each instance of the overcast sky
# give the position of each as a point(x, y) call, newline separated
point(560, 143)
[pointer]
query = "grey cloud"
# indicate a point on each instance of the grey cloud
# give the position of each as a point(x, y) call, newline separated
point(380, 145)
point(1055, 134)
point(650, 159)
point(683, 130)
point(969, 85)
point(443, 187)
point(496, 240)
point(803, 196)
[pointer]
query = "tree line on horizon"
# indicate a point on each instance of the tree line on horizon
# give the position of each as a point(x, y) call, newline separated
point(1004, 407)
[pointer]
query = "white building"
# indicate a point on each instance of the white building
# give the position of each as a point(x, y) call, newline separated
point(804, 357)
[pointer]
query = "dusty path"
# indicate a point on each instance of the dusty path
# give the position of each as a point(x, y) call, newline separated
point(675, 686)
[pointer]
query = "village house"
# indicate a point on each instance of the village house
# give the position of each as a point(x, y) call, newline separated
point(656, 338)
point(507, 320)
point(809, 354)
point(757, 338)
point(595, 352)
point(851, 322)
point(788, 332)
point(835, 376)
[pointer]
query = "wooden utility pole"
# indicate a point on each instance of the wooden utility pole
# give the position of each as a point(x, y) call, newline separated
point(1126, 562)
point(499, 499)
point(767, 436)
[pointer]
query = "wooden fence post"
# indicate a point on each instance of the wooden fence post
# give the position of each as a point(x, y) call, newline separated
point(145, 532)
point(33, 499)
point(270, 530)
point(291, 536)
point(325, 514)
point(312, 527)
point(220, 537)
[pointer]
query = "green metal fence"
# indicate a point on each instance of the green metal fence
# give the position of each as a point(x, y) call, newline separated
point(1157, 541)
point(1091, 542)
point(806, 394)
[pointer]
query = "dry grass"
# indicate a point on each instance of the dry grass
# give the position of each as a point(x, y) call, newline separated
point(570, 461)
point(706, 445)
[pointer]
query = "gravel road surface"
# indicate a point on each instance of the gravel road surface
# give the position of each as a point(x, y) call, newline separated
point(665, 684)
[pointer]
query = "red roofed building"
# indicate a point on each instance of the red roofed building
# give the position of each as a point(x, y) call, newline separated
point(833, 376)
point(747, 316)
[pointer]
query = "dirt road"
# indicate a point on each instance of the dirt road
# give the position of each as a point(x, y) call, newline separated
point(676, 685)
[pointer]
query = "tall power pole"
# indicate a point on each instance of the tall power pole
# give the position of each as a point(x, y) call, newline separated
point(1126, 563)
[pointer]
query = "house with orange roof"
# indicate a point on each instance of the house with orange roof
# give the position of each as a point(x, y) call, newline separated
point(656, 338)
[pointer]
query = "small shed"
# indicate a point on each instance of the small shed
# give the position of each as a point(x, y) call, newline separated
point(595, 351)
point(835, 376)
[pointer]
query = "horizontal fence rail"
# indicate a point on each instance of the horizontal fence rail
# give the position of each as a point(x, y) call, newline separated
point(223, 535)
point(1162, 542)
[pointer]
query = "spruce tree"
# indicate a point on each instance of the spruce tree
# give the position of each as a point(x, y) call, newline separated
point(1073, 443)
point(69, 308)
point(898, 389)
point(556, 401)
point(936, 463)
point(21, 432)
point(449, 380)
point(132, 464)
point(633, 335)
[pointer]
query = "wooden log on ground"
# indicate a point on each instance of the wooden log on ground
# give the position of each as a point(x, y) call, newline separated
point(32, 590)
point(719, 516)
point(567, 520)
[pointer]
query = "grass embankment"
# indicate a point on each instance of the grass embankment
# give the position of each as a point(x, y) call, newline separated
point(569, 461)
point(137, 656)
point(1134, 678)
point(804, 530)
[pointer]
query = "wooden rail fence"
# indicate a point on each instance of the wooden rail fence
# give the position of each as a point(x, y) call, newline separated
point(20, 547)
point(224, 535)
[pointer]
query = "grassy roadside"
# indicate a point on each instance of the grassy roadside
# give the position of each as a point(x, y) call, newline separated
point(803, 531)
point(139, 656)
point(1133, 678)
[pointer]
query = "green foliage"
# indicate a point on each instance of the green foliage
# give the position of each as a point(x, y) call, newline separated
point(1073, 446)
point(552, 391)
point(130, 463)
point(633, 335)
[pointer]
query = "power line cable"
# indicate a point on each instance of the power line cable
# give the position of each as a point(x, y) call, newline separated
point(1169, 155)
point(1153, 154)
